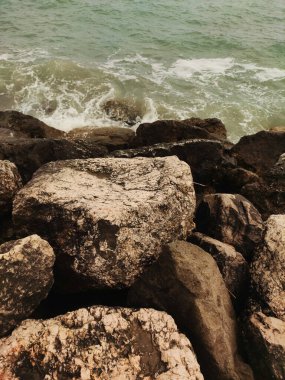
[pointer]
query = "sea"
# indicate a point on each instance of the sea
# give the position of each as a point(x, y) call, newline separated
point(62, 60)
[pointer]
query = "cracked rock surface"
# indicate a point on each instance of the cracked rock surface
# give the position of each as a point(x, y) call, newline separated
point(10, 183)
point(99, 343)
point(26, 277)
point(107, 219)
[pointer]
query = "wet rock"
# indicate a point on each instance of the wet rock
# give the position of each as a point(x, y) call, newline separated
point(268, 268)
point(265, 345)
point(30, 154)
point(165, 131)
point(10, 183)
point(231, 263)
point(26, 278)
point(277, 172)
point(22, 125)
point(122, 111)
point(186, 282)
point(111, 137)
point(107, 218)
point(260, 151)
point(99, 343)
point(231, 219)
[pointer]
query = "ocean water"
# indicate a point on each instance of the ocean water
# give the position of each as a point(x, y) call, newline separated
point(61, 60)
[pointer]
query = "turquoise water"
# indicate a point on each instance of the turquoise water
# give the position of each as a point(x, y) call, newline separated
point(62, 60)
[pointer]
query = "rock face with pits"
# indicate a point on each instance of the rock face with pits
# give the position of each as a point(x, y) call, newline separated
point(99, 343)
point(10, 183)
point(26, 273)
point(107, 219)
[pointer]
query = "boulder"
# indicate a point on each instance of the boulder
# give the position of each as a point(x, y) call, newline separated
point(26, 278)
point(30, 154)
point(186, 282)
point(110, 137)
point(10, 183)
point(165, 131)
point(268, 268)
point(119, 110)
point(99, 343)
point(107, 218)
point(231, 219)
point(232, 265)
point(265, 346)
point(21, 125)
point(260, 151)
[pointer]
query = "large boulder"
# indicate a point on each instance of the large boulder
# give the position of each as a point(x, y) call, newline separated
point(268, 268)
point(99, 343)
point(10, 183)
point(260, 151)
point(186, 282)
point(26, 272)
point(264, 341)
point(231, 219)
point(21, 125)
point(232, 265)
point(107, 218)
point(30, 154)
point(164, 131)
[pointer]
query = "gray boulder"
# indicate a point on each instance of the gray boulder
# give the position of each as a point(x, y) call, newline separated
point(99, 343)
point(26, 278)
point(107, 219)
point(186, 282)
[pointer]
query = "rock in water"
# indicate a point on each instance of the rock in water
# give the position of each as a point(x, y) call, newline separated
point(26, 278)
point(268, 267)
point(265, 346)
point(99, 343)
point(231, 219)
point(186, 282)
point(107, 218)
point(10, 183)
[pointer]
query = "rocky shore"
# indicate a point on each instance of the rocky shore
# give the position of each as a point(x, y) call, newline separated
point(158, 254)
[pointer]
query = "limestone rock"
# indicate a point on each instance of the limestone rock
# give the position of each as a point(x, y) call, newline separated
point(268, 267)
point(125, 112)
point(265, 346)
point(165, 131)
point(231, 263)
point(231, 219)
point(10, 183)
point(107, 218)
point(186, 282)
point(26, 278)
point(21, 125)
point(99, 343)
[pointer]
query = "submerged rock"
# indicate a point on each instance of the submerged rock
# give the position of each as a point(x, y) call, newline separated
point(122, 111)
point(231, 219)
point(265, 346)
point(21, 125)
point(186, 282)
point(268, 268)
point(107, 218)
point(26, 278)
point(99, 343)
point(10, 183)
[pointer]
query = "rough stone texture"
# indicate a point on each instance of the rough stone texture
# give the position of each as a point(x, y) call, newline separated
point(21, 125)
point(260, 151)
point(30, 154)
point(122, 111)
point(26, 278)
point(231, 263)
point(99, 343)
point(108, 218)
point(164, 131)
point(231, 219)
point(268, 267)
point(186, 282)
point(111, 137)
point(265, 345)
point(10, 183)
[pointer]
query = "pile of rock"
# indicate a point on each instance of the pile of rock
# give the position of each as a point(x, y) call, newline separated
point(107, 210)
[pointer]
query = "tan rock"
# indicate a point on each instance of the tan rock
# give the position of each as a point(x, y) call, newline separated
point(99, 343)
point(10, 183)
